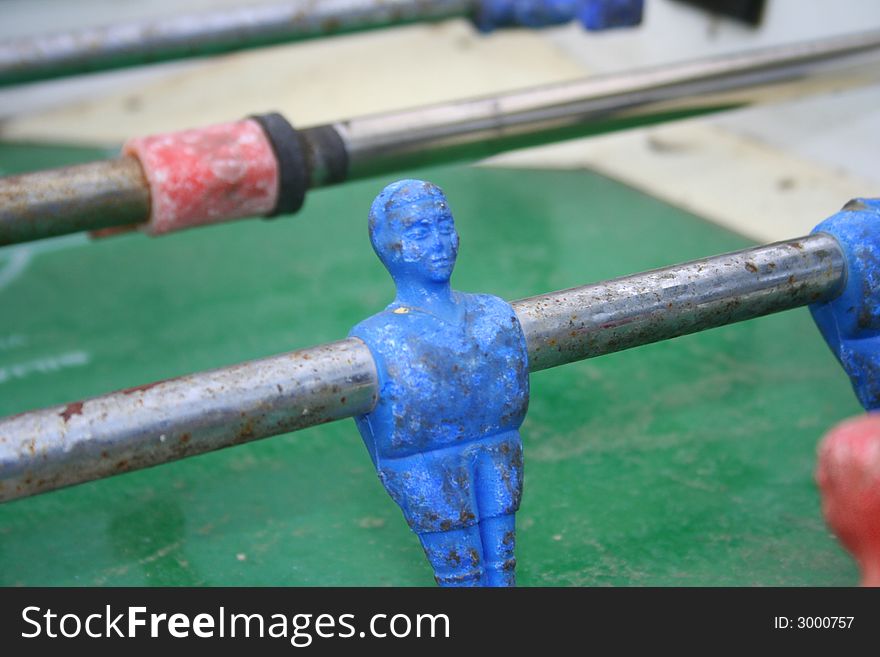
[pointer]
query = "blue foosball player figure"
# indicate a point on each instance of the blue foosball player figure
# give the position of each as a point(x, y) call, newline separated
point(453, 392)
point(850, 323)
point(848, 471)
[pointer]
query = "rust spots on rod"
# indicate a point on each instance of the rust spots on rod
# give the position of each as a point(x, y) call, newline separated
point(142, 388)
point(246, 433)
point(74, 408)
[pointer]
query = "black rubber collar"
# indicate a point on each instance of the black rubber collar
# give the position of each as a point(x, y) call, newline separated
point(293, 174)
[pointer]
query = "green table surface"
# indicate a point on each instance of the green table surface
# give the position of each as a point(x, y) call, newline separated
point(688, 462)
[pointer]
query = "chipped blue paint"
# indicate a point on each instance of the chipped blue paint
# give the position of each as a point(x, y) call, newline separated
point(453, 392)
point(850, 323)
point(593, 14)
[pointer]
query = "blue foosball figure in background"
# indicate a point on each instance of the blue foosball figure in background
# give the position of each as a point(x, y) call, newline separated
point(453, 392)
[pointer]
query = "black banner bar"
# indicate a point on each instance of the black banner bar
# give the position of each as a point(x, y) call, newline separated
point(278, 621)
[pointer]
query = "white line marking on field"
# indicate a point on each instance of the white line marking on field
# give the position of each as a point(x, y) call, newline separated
point(45, 365)
point(17, 258)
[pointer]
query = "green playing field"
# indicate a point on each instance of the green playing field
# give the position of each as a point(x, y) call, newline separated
point(688, 462)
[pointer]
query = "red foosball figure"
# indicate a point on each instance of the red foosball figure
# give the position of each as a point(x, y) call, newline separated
point(848, 475)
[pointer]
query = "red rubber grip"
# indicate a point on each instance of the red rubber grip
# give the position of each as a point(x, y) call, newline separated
point(207, 175)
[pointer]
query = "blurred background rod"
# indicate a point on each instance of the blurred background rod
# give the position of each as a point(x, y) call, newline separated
point(42, 57)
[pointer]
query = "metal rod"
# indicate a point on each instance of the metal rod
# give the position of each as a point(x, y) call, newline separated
point(140, 427)
point(67, 200)
point(101, 48)
point(467, 129)
point(627, 312)
point(166, 421)
point(586, 106)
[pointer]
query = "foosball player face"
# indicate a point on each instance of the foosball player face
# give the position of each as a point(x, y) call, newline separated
point(416, 237)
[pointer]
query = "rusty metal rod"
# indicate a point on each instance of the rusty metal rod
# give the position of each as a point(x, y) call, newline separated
point(461, 130)
point(88, 50)
point(161, 422)
point(593, 320)
point(67, 200)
